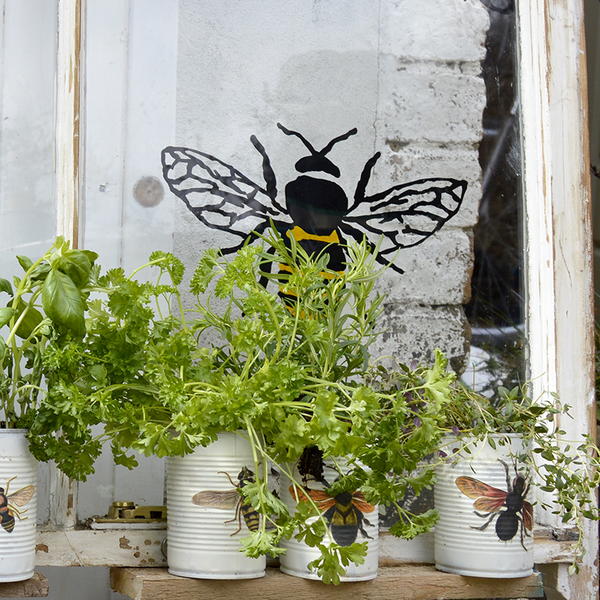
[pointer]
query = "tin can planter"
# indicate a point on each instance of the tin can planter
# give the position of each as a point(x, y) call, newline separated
point(18, 501)
point(206, 517)
point(486, 521)
point(350, 519)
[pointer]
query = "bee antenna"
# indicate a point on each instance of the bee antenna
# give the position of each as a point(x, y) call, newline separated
point(340, 138)
point(298, 135)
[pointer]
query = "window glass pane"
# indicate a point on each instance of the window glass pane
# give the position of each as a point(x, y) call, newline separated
point(496, 309)
point(387, 128)
point(27, 182)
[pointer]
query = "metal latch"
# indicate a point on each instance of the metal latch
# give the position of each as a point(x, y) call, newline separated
point(128, 515)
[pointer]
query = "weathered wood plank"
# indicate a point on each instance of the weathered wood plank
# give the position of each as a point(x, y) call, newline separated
point(88, 548)
point(36, 587)
point(415, 582)
point(547, 549)
point(558, 236)
point(143, 548)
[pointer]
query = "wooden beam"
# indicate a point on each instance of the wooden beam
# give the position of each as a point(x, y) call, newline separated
point(36, 587)
point(89, 548)
point(63, 492)
point(68, 118)
point(408, 582)
point(144, 548)
point(554, 124)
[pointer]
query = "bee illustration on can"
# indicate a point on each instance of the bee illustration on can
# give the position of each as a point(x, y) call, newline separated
point(315, 210)
point(343, 512)
point(10, 502)
point(232, 500)
point(490, 502)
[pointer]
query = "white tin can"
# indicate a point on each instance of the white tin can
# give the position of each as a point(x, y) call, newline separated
point(18, 502)
point(205, 517)
point(486, 520)
point(362, 526)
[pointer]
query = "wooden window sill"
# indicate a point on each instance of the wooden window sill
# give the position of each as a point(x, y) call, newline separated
point(408, 582)
point(143, 548)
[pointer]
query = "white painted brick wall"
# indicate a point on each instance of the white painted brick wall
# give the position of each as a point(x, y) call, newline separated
point(406, 73)
point(411, 333)
point(419, 161)
point(423, 102)
point(439, 30)
point(436, 272)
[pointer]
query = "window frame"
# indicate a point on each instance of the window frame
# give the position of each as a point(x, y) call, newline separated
point(558, 252)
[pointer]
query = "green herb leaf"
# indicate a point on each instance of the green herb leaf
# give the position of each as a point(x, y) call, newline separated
point(5, 286)
point(5, 315)
point(25, 262)
point(39, 272)
point(63, 303)
point(30, 321)
point(77, 265)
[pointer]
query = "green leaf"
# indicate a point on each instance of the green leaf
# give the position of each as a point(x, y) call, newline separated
point(5, 286)
point(63, 303)
point(5, 315)
point(98, 372)
point(77, 265)
point(39, 273)
point(92, 256)
point(30, 321)
point(25, 262)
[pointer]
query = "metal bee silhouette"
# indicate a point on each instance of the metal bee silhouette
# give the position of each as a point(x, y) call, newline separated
point(315, 210)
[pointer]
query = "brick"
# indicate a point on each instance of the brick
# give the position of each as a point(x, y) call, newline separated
point(428, 103)
point(444, 30)
point(436, 272)
point(412, 332)
point(417, 161)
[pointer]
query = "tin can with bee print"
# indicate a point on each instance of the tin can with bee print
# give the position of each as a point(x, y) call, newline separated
point(18, 498)
point(349, 518)
point(485, 514)
point(206, 514)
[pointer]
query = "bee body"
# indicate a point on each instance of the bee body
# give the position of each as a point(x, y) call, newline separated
point(10, 502)
point(251, 517)
point(7, 518)
point(344, 513)
point(345, 519)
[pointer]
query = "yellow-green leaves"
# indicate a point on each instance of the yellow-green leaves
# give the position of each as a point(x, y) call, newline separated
point(5, 315)
point(76, 265)
point(62, 301)
point(25, 323)
point(5, 286)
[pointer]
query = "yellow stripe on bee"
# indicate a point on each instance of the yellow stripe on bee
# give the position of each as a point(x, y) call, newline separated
point(299, 234)
point(323, 274)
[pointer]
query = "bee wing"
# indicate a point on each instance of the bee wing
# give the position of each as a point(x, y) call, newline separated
point(489, 505)
point(218, 194)
point(22, 497)
point(319, 497)
point(473, 488)
point(527, 515)
point(359, 501)
point(215, 499)
point(407, 214)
